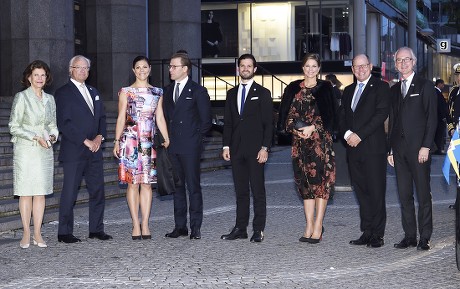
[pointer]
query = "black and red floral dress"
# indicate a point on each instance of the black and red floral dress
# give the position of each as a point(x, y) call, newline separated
point(313, 158)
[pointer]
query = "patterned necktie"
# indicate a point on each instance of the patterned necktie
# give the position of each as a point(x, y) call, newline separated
point(243, 95)
point(357, 96)
point(176, 93)
point(404, 88)
point(87, 98)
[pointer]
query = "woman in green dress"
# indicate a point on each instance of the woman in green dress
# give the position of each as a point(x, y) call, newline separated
point(33, 128)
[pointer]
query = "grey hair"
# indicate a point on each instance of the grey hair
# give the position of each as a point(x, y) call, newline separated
point(412, 54)
point(78, 57)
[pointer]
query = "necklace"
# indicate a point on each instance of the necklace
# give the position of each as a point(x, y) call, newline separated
point(310, 86)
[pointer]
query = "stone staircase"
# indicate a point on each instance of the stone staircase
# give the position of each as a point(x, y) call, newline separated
point(9, 212)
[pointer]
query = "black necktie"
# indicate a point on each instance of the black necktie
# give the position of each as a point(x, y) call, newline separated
point(243, 95)
point(176, 93)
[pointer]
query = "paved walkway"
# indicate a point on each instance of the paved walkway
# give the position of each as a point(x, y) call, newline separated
point(278, 262)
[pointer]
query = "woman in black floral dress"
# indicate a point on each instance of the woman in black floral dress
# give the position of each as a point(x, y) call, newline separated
point(311, 120)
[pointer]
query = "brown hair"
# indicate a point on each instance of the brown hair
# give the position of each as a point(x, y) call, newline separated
point(34, 65)
point(313, 56)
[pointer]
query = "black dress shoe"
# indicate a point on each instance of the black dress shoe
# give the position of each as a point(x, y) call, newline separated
point(303, 239)
point(424, 245)
point(146, 237)
point(236, 233)
point(406, 243)
point(363, 240)
point(195, 235)
point(258, 236)
point(176, 233)
point(136, 237)
point(375, 242)
point(452, 207)
point(68, 238)
point(100, 235)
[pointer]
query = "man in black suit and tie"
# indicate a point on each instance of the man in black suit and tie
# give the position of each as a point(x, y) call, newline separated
point(187, 110)
point(365, 107)
point(413, 122)
point(247, 138)
point(81, 121)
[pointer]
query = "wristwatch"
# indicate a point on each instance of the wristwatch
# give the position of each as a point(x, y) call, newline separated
point(264, 148)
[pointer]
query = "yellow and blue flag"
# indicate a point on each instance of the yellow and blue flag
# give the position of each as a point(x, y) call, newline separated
point(452, 157)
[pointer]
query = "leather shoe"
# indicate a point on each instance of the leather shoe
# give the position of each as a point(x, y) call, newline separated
point(68, 238)
point(258, 236)
point(406, 243)
point(363, 240)
point(236, 233)
point(375, 242)
point(100, 235)
point(195, 234)
point(424, 245)
point(452, 207)
point(176, 233)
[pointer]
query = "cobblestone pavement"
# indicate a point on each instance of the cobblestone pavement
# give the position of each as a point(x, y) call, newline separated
point(280, 261)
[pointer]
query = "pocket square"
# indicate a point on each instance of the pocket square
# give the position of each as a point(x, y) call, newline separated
point(97, 97)
point(254, 98)
point(414, 94)
point(188, 98)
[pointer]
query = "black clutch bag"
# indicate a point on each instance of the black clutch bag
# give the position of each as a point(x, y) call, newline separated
point(300, 124)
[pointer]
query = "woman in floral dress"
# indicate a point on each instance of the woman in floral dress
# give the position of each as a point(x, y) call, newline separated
point(311, 120)
point(140, 113)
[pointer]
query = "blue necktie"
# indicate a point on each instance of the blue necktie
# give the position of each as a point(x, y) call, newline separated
point(243, 95)
point(357, 96)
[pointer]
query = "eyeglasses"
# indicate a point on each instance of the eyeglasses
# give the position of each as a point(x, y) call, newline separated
point(362, 66)
point(403, 60)
point(174, 66)
point(80, 67)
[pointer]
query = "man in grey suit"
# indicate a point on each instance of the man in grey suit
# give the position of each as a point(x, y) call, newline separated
point(413, 122)
point(365, 107)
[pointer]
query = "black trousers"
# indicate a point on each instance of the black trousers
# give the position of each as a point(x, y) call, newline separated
point(93, 172)
point(187, 168)
point(410, 172)
point(248, 175)
point(368, 177)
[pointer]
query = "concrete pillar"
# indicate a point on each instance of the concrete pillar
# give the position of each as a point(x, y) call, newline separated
point(173, 25)
point(31, 30)
point(359, 24)
point(412, 25)
point(373, 41)
point(116, 34)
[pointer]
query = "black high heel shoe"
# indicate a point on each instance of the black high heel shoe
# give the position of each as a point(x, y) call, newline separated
point(138, 237)
point(146, 237)
point(313, 240)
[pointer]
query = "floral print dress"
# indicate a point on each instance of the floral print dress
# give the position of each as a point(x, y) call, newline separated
point(313, 158)
point(137, 153)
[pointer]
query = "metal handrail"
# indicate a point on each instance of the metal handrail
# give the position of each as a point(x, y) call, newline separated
point(196, 62)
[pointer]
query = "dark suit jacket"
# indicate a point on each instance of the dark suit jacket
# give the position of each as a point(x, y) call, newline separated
point(189, 119)
point(418, 112)
point(453, 109)
point(76, 122)
point(254, 128)
point(367, 121)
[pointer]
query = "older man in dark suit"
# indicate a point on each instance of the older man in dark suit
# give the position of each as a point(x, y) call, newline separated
point(187, 109)
point(413, 122)
point(365, 107)
point(247, 138)
point(81, 121)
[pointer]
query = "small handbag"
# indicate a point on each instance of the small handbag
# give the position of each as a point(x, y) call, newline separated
point(300, 124)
